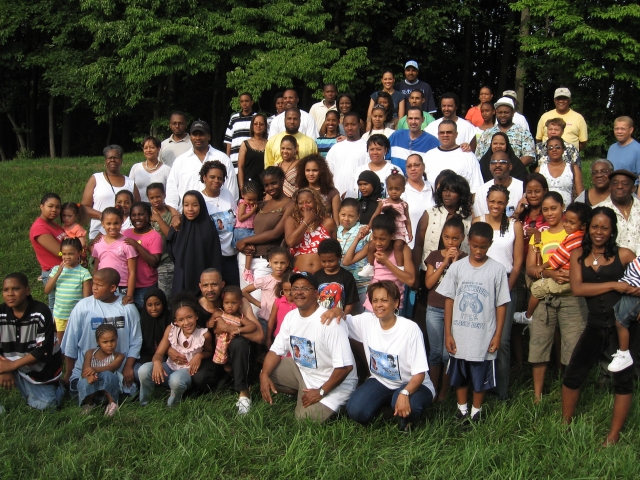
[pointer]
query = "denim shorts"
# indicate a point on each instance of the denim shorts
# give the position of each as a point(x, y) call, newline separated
point(627, 310)
point(240, 234)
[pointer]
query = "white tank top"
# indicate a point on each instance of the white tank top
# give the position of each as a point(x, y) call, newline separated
point(563, 184)
point(104, 195)
point(501, 250)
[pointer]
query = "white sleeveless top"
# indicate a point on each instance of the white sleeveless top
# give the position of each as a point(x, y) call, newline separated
point(563, 184)
point(104, 195)
point(501, 250)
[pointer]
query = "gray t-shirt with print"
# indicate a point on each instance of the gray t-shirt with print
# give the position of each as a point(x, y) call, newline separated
point(476, 292)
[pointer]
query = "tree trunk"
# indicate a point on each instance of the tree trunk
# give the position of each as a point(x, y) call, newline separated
point(156, 111)
point(466, 67)
point(108, 142)
point(506, 54)
point(525, 18)
point(66, 129)
point(52, 140)
point(32, 113)
point(23, 146)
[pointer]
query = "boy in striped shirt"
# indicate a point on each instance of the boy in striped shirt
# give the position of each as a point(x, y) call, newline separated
point(575, 221)
point(626, 311)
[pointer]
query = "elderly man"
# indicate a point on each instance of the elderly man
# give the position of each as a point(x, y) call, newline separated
point(307, 124)
point(576, 130)
point(626, 206)
point(625, 153)
point(500, 167)
point(185, 173)
point(306, 144)
point(320, 369)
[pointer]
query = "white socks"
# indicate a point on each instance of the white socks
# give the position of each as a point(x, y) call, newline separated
point(463, 409)
point(475, 410)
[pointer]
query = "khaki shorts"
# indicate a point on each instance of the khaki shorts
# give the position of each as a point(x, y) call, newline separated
point(61, 325)
point(548, 286)
point(566, 311)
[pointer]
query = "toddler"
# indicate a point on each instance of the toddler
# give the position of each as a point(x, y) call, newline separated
point(626, 311)
point(244, 221)
point(283, 305)
point(231, 306)
point(69, 214)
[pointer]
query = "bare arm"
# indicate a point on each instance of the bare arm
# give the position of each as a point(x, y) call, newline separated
point(401, 110)
point(243, 214)
point(113, 366)
point(350, 256)
point(49, 242)
point(241, 160)
point(581, 289)
point(376, 213)
point(335, 207)
point(578, 185)
point(151, 259)
point(293, 233)
point(418, 246)
point(246, 293)
point(51, 282)
point(131, 281)
point(369, 110)
point(526, 160)
point(518, 254)
point(86, 288)
point(87, 199)
point(269, 235)
point(408, 220)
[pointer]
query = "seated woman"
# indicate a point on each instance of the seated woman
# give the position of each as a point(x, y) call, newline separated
point(396, 356)
point(307, 226)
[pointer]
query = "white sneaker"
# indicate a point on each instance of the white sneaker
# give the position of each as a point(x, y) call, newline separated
point(244, 405)
point(367, 271)
point(621, 360)
point(521, 317)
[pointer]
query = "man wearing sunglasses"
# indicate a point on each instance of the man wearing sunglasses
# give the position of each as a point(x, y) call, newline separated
point(320, 368)
point(500, 166)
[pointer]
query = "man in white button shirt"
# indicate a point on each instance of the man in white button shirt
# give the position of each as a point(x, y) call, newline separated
point(466, 131)
point(500, 167)
point(185, 173)
point(307, 124)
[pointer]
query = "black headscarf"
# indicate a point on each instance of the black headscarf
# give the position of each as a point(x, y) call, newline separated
point(153, 328)
point(194, 248)
point(518, 170)
point(368, 205)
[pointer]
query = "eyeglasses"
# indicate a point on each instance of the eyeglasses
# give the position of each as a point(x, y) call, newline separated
point(604, 171)
point(113, 158)
point(557, 147)
point(501, 162)
point(302, 289)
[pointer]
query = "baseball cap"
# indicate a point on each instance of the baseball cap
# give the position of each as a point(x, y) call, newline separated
point(310, 277)
point(506, 101)
point(200, 125)
point(411, 63)
point(562, 92)
point(625, 172)
point(510, 94)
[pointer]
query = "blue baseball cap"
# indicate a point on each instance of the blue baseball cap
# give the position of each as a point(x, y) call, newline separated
point(411, 63)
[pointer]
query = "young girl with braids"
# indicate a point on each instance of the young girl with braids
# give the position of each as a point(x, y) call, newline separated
point(395, 188)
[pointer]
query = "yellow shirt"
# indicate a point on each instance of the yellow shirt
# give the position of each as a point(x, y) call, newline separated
point(549, 242)
point(306, 146)
point(575, 131)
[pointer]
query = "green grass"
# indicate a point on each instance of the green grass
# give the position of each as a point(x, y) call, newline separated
point(204, 438)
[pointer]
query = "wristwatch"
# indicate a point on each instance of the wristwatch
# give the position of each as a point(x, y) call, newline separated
point(322, 392)
point(405, 392)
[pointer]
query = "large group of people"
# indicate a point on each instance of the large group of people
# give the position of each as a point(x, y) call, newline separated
point(363, 262)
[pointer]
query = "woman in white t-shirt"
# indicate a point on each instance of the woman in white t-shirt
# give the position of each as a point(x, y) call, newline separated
point(377, 148)
point(222, 208)
point(507, 249)
point(397, 359)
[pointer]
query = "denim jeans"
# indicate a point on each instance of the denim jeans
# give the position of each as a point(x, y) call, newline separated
point(108, 382)
point(177, 380)
point(241, 234)
point(438, 354)
point(367, 400)
point(40, 397)
point(138, 295)
point(52, 295)
point(503, 360)
point(627, 310)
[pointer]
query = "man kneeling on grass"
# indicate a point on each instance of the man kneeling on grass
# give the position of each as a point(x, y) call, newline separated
point(30, 356)
point(320, 370)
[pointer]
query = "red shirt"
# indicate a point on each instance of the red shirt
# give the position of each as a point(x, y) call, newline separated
point(46, 259)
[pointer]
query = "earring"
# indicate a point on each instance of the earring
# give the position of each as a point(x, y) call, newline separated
point(396, 312)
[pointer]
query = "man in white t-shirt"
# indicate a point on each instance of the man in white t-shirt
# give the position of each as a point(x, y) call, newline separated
point(178, 142)
point(450, 156)
point(307, 124)
point(466, 130)
point(318, 111)
point(500, 167)
point(320, 369)
point(345, 157)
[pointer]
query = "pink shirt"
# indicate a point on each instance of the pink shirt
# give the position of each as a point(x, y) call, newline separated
point(248, 223)
point(266, 284)
point(115, 255)
point(46, 259)
point(383, 273)
point(146, 276)
point(284, 307)
point(187, 346)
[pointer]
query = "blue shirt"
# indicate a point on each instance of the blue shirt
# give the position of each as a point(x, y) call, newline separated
point(402, 146)
point(627, 157)
point(87, 316)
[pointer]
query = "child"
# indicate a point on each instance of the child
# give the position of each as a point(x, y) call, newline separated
point(148, 245)
point(476, 292)
point(280, 262)
point(70, 281)
point(111, 251)
point(626, 310)
point(283, 305)
point(125, 199)
point(69, 217)
point(185, 337)
point(370, 192)
point(162, 216)
point(378, 120)
point(231, 306)
point(97, 361)
point(576, 218)
point(155, 317)
point(244, 222)
point(395, 188)
point(438, 263)
point(383, 228)
point(337, 286)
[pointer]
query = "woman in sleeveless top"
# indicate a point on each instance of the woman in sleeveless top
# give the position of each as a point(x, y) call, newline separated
point(268, 227)
point(562, 177)
point(507, 250)
point(251, 154)
point(307, 226)
point(100, 191)
point(600, 170)
point(594, 273)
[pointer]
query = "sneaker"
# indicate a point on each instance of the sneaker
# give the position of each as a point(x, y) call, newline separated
point(521, 317)
point(247, 276)
point(621, 360)
point(244, 405)
point(476, 418)
point(404, 425)
point(111, 409)
point(461, 417)
point(367, 271)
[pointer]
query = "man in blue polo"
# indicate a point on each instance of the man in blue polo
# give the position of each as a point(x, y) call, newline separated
point(415, 140)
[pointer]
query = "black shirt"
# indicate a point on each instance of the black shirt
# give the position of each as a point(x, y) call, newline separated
point(337, 290)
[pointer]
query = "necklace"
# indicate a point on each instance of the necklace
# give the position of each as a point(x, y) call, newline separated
point(146, 165)
point(595, 259)
point(215, 199)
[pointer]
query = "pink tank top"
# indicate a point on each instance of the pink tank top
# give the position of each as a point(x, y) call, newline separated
point(248, 223)
point(383, 273)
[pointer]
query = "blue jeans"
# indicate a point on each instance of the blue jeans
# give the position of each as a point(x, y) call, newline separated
point(138, 295)
point(177, 380)
point(40, 397)
point(241, 234)
point(627, 310)
point(503, 360)
point(367, 400)
point(438, 354)
point(108, 382)
point(52, 295)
